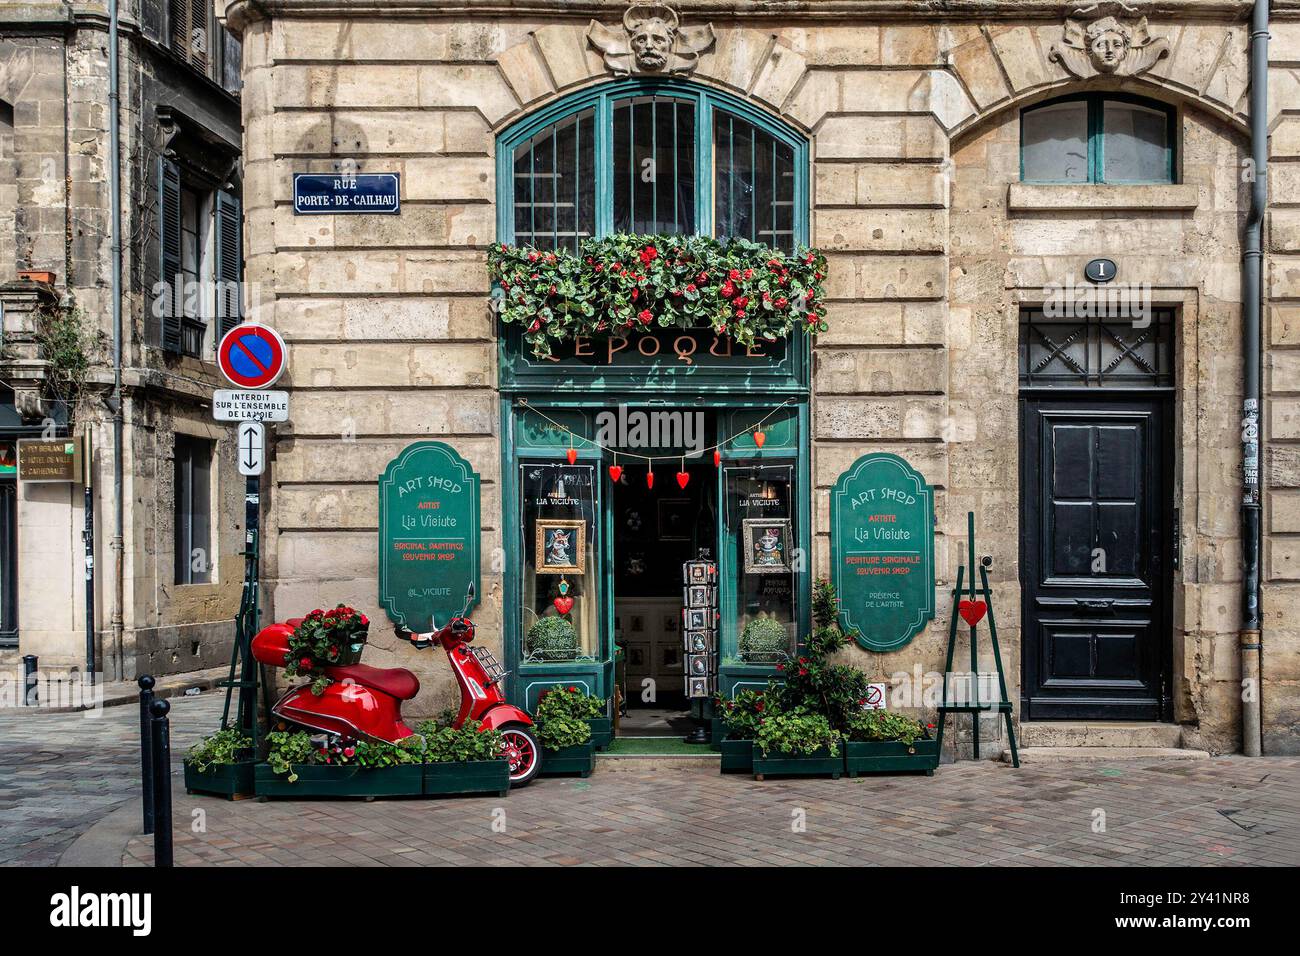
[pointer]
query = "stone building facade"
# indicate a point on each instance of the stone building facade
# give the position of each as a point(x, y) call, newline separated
point(944, 252)
point(179, 110)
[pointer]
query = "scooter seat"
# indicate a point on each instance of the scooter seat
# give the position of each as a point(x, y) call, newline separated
point(395, 681)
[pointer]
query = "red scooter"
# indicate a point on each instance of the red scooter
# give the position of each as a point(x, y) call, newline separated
point(366, 702)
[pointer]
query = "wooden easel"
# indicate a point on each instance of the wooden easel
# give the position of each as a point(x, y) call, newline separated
point(973, 706)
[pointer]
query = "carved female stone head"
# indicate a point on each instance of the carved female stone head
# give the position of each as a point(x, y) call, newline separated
point(1108, 44)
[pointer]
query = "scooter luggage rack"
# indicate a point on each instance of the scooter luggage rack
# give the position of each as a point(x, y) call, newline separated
point(491, 666)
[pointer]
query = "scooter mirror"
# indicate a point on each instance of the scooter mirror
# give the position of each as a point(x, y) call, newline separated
point(469, 599)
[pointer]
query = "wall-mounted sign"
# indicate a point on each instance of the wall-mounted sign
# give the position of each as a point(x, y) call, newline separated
point(882, 551)
point(429, 535)
point(42, 460)
point(1100, 270)
point(333, 194)
point(251, 356)
point(678, 349)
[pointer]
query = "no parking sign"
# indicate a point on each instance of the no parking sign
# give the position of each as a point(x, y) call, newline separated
point(251, 355)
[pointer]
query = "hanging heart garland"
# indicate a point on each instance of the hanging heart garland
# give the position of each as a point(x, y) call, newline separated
point(572, 455)
point(615, 472)
point(650, 479)
point(759, 438)
point(717, 458)
point(682, 479)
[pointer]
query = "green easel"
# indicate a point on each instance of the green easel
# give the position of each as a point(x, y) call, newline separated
point(973, 706)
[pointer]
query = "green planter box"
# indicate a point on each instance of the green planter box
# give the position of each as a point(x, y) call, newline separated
point(890, 756)
point(737, 756)
point(406, 780)
point(824, 761)
point(222, 780)
point(478, 776)
point(602, 732)
point(717, 733)
point(577, 760)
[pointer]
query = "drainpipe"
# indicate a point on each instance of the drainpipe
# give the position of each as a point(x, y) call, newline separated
point(115, 404)
point(1250, 638)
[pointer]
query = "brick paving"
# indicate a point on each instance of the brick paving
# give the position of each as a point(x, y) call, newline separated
point(60, 773)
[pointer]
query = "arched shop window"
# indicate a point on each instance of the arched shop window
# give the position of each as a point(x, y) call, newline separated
point(1098, 138)
point(652, 157)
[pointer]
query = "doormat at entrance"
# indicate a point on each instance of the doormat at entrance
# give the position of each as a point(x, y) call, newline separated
point(658, 747)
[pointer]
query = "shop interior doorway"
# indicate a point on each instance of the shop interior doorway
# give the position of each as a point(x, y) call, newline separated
point(655, 531)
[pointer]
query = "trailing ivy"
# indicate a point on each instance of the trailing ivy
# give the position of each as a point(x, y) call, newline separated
point(745, 290)
point(67, 346)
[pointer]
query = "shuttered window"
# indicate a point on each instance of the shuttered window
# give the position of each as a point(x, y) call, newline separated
point(191, 31)
point(193, 510)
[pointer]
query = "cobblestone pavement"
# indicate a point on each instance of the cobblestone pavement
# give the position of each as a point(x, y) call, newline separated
point(61, 773)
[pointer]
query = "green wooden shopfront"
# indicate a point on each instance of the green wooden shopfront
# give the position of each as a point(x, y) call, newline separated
point(707, 163)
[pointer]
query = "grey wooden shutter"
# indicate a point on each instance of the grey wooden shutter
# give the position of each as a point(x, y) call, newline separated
point(229, 271)
point(169, 246)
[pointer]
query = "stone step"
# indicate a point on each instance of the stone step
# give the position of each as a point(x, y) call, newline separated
point(1099, 733)
point(708, 762)
point(1046, 755)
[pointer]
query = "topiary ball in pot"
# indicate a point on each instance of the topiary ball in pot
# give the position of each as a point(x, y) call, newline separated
point(763, 638)
point(553, 638)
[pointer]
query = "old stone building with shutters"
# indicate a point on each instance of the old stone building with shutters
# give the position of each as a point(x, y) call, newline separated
point(166, 606)
point(961, 165)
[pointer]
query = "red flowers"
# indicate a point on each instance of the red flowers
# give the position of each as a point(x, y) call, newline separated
point(728, 289)
point(645, 316)
point(690, 287)
point(305, 663)
point(648, 255)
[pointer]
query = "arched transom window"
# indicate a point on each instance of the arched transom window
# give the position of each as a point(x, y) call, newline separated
point(645, 158)
point(1098, 138)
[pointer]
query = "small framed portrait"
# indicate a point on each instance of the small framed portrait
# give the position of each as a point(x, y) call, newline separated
point(561, 546)
point(697, 642)
point(767, 545)
point(699, 595)
point(697, 618)
point(699, 572)
point(697, 687)
point(699, 665)
point(675, 519)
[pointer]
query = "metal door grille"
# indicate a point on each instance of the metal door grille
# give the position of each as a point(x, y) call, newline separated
point(1088, 352)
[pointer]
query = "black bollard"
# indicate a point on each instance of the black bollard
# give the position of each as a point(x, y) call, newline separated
point(160, 736)
point(31, 696)
point(146, 764)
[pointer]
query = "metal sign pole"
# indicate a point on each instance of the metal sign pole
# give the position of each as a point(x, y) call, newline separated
point(247, 715)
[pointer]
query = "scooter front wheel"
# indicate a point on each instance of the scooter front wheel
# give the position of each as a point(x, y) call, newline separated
point(523, 752)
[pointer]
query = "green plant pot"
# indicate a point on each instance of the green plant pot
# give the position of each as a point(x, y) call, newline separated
point(406, 780)
point(221, 780)
point(890, 756)
point(737, 756)
point(602, 731)
point(577, 760)
point(477, 776)
point(824, 761)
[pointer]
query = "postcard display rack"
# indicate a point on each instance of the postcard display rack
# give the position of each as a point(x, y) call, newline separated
point(700, 637)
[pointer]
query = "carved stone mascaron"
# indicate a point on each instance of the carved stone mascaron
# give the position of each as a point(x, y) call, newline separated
point(652, 40)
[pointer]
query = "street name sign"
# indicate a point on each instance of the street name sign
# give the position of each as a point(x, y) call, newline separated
point(882, 551)
point(326, 194)
point(245, 405)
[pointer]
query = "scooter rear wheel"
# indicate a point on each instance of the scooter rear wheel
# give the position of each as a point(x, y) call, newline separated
point(523, 751)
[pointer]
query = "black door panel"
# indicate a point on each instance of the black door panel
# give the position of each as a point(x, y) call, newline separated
point(1096, 513)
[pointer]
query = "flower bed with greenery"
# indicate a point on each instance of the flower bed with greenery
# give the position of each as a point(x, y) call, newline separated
point(462, 760)
point(221, 764)
point(745, 290)
point(325, 638)
point(815, 719)
point(563, 726)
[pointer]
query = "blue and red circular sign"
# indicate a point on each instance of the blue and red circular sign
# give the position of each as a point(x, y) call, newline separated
point(251, 355)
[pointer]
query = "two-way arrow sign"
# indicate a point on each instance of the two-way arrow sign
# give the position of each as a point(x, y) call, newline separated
point(251, 448)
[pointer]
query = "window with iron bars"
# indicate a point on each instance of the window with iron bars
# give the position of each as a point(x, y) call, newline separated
point(1092, 352)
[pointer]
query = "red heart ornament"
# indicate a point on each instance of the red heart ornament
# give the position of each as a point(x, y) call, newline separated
point(972, 612)
point(682, 478)
point(717, 458)
point(572, 455)
point(615, 472)
point(759, 438)
point(649, 479)
point(563, 604)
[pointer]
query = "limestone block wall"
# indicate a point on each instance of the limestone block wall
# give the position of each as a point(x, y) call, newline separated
point(913, 131)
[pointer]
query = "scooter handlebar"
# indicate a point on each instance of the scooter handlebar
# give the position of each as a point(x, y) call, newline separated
point(407, 635)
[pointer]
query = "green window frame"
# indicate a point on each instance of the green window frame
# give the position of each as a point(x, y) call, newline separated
point(1096, 136)
point(709, 105)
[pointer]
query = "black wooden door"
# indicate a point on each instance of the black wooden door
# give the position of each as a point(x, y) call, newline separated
point(1096, 557)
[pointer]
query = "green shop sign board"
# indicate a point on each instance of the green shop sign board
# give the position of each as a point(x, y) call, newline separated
point(882, 551)
point(429, 535)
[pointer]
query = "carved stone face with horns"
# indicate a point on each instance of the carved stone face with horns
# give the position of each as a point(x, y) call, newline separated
point(652, 34)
